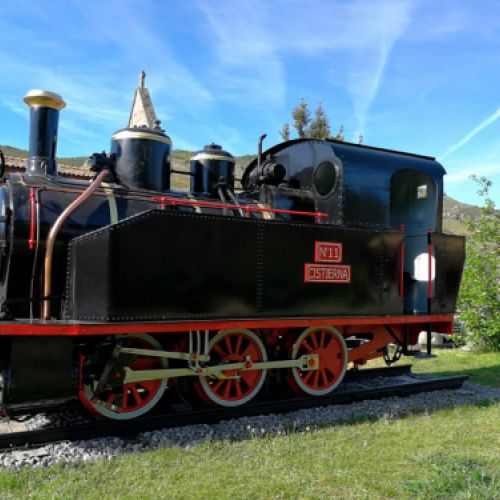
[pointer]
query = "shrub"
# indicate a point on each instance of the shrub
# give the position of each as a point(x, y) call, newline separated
point(479, 299)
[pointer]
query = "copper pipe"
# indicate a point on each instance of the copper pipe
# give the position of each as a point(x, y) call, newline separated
point(51, 238)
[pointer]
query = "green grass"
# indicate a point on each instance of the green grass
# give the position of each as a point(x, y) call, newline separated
point(451, 454)
point(448, 454)
point(482, 368)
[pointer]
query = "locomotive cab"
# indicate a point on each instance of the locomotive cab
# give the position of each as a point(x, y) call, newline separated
point(414, 208)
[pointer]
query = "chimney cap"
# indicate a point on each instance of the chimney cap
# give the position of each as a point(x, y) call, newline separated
point(44, 98)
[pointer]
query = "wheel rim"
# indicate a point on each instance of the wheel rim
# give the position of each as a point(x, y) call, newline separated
point(331, 348)
point(234, 346)
point(130, 400)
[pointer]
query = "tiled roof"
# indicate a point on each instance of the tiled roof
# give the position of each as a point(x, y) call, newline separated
point(14, 163)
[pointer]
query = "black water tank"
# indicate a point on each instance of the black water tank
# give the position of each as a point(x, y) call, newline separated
point(210, 167)
point(142, 158)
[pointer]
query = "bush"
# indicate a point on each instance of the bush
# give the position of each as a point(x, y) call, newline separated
point(479, 299)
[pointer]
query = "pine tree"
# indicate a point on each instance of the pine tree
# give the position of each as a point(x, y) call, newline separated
point(301, 119)
point(319, 128)
point(285, 132)
point(340, 134)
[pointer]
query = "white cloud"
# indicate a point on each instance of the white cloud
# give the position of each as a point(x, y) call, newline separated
point(247, 68)
point(133, 34)
point(470, 135)
point(252, 39)
point(473, 169)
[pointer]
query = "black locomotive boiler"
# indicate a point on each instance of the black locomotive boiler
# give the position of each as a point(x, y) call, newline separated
point(119, 289)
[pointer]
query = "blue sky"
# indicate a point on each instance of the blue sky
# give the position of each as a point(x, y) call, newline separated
point(414, 75)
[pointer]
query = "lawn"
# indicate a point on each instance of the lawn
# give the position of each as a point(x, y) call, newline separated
point(449, 454)
point(483, 368)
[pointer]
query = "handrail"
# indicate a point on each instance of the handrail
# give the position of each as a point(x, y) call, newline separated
point(164, 200)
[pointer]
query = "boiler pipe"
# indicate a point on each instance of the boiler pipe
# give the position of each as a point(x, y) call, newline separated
point(51, 238)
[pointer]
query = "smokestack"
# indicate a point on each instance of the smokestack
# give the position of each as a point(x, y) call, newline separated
point(44, 119)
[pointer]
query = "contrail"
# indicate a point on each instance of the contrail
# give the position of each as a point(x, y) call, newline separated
point(494, 117)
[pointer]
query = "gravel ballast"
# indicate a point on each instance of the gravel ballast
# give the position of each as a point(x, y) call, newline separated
point(245, 427)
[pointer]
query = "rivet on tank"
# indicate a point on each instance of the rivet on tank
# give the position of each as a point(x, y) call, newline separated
point(44, 121)
point(142, 150)
point(210, 168)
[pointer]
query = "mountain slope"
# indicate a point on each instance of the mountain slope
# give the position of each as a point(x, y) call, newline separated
point(455, 213)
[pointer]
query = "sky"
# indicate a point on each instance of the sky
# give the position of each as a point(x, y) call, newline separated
point(414, 75)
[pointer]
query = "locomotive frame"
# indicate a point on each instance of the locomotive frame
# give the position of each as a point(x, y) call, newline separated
point(138, 293)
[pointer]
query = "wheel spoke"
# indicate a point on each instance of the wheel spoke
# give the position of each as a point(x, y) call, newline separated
point(218, 349)
point(314, 340)
point(239, 341)
point(239, 392)
point(124, 397)
point(307, 346)
point(329, 369)
point(229, 347)
point(227, 389)
point(217, 385)
point(126, 401)
point(328, 344)
point(322, 338)
point(136, 394)
point(233, 347)
point(247, 352)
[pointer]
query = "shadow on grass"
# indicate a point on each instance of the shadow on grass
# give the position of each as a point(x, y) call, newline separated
point(489, 376)
point(386, 410)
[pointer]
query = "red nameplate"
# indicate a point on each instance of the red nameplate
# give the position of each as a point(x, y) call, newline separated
point(325, 251)
point(323, 273)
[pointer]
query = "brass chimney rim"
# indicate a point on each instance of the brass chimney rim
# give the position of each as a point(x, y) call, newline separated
point(44, 98)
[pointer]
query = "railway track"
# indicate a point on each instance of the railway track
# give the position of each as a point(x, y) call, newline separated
point(343, 395)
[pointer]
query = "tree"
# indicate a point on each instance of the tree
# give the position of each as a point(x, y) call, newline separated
point(285, 132)
point(319, 128)
point(301, 119)
point(479, 299)
point(340, 134)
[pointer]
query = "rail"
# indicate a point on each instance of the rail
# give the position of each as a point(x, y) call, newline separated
point(153, 421)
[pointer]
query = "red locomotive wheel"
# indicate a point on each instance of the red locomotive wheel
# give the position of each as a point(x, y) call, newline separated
point(329, 344)
point(233, 346)
point(129, 400)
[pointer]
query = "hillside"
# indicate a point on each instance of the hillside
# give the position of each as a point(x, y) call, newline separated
point(455, 213)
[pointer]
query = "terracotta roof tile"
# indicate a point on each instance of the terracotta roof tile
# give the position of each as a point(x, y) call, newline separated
point(67, 170)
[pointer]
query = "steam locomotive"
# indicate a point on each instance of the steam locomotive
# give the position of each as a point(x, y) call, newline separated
point(119, 289)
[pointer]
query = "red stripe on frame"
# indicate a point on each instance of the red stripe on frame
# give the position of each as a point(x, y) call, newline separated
point(82, 329)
